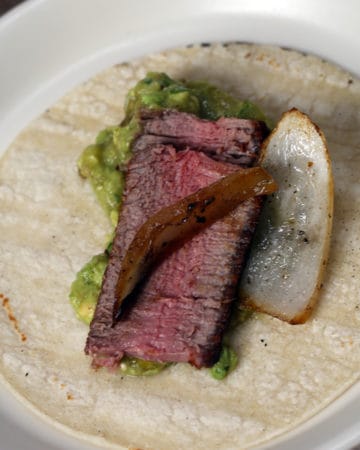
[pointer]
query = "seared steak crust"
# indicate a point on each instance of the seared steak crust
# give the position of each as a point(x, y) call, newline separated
point(232, 140)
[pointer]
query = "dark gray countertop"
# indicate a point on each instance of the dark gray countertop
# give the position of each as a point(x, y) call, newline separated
point(5, 5)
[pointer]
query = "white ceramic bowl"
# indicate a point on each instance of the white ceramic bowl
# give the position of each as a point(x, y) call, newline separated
point(49, 46)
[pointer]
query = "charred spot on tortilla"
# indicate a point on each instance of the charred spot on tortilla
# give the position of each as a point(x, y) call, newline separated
point(11, 316)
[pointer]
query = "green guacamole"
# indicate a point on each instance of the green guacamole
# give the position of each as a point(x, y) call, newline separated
point(104, 162)
point(227, 362)
point(85, 289)
point(136, 367)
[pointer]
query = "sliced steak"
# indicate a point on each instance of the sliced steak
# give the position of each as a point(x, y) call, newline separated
point(180, 311)
point(227, 139)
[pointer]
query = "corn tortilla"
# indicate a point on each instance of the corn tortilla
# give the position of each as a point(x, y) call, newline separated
point(51, 225)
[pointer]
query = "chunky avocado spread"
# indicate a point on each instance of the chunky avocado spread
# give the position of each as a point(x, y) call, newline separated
point(104, 163)
point(227, 362)
point(85, 289)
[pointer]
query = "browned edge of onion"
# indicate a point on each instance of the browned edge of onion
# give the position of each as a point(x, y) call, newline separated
point(301, 318)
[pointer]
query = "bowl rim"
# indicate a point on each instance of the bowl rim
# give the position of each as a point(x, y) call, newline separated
point(324, 28)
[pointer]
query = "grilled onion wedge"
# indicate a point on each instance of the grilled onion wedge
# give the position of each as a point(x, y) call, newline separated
point(284, 271)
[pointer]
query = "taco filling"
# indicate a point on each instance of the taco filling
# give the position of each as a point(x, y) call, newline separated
point(180, 312)
point(189, 233)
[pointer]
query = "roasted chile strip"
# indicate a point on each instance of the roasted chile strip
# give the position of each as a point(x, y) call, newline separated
point(184, 219)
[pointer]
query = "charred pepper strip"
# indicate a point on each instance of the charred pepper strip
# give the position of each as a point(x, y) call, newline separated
point(184, 219)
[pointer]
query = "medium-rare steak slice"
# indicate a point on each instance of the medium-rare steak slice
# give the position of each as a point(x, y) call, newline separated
point(227, 139)
point(180, 311)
